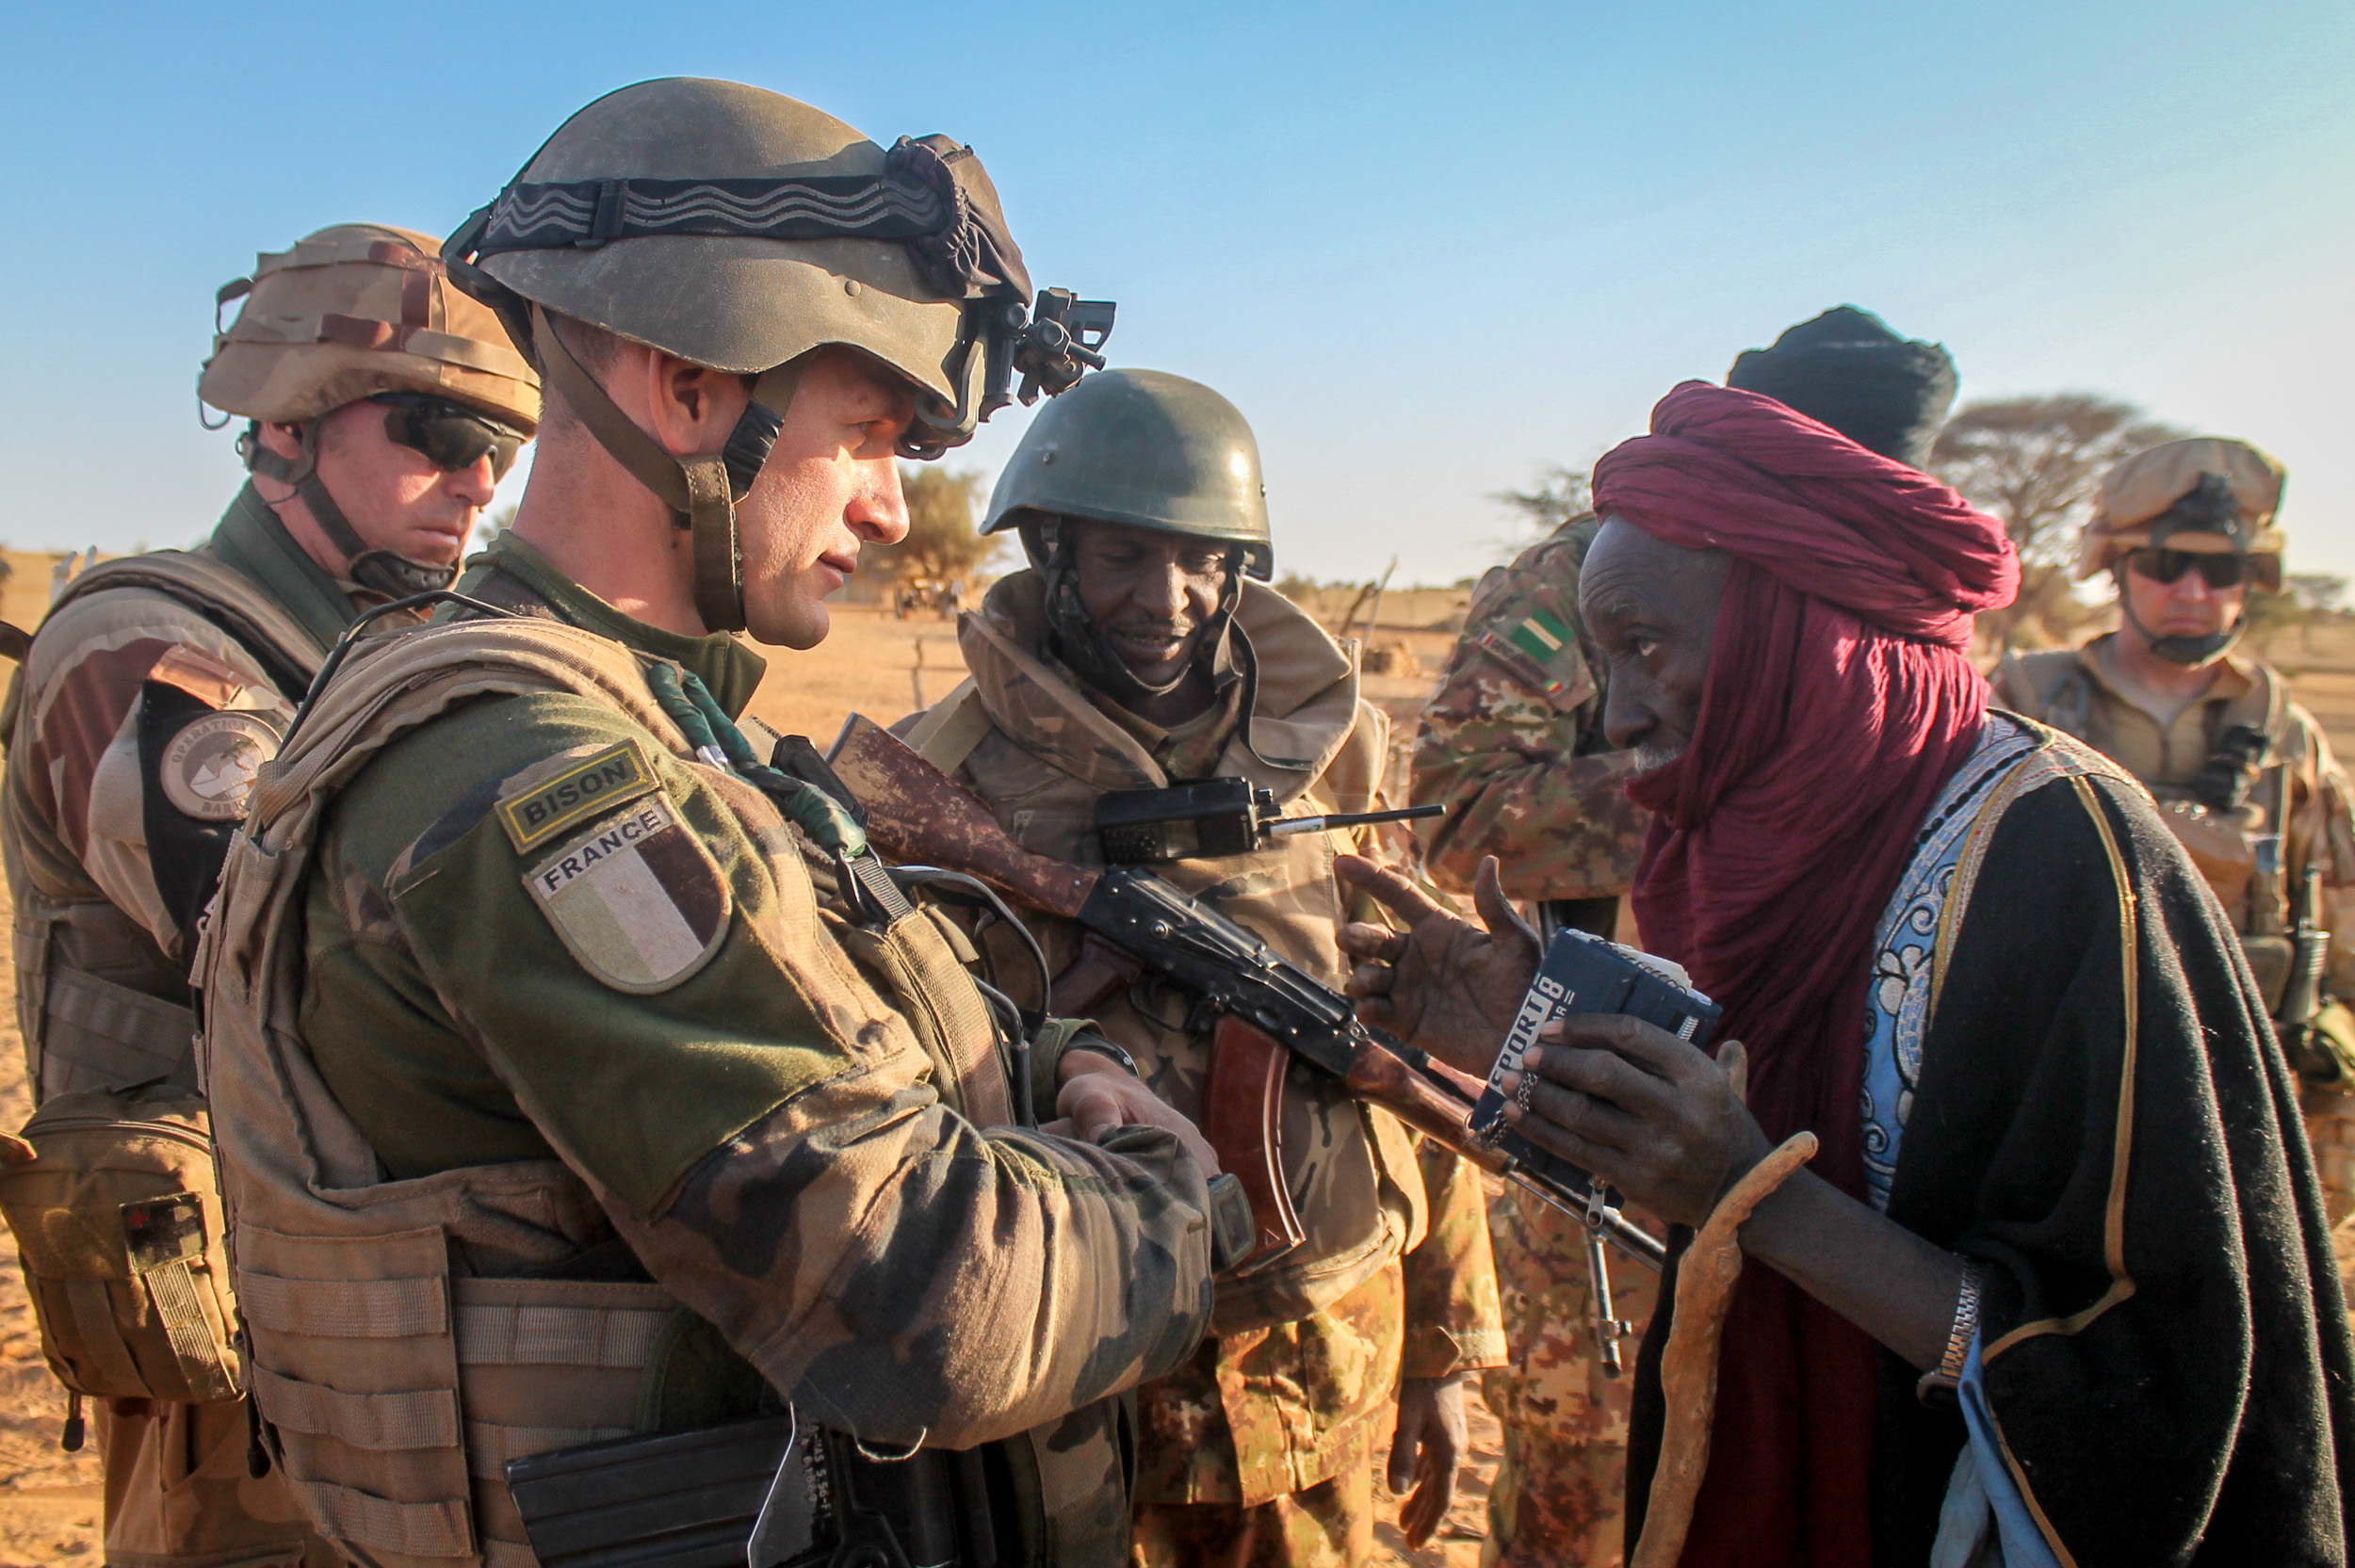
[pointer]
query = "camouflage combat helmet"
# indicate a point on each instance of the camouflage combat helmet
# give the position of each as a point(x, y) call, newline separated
point(738, 229)
point(1145, 448)
point(2203, 496)
point(2207, 495)
point(364, 311)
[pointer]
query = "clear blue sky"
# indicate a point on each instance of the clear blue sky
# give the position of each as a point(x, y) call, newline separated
point(1426, 248)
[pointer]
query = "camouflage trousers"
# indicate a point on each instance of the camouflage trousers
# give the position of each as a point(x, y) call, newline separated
point(2329, 1116)
point(179, 1494)
point(1328, 1525)
point(1258, 1452)
point(1558, 1501)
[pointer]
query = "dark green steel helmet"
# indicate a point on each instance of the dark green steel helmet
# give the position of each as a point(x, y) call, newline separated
point(1145, 448)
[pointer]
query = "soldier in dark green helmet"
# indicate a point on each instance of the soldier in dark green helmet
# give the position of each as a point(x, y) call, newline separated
point(1141, 650)
point(580, 1067)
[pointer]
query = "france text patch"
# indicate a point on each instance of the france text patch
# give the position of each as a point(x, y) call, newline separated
point(552, 807)
point(637, 899)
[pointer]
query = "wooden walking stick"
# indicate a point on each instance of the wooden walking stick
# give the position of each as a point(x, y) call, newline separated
point(1688, 1364)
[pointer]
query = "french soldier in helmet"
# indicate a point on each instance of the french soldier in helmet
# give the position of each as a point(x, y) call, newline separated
point(2242, 775)
point(1142, 651)
point(382, 406)
point(620, 1158)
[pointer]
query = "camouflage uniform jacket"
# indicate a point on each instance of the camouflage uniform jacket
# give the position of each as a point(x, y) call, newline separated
point(1308, 1348)
point(132, 731)
point(1512, 741)
point(2070, 690)
point(119, 805)
point(536, 931)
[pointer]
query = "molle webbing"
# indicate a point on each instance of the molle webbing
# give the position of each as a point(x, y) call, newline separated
point(83, 1030)
point(95, 1034)
point(397, 1387)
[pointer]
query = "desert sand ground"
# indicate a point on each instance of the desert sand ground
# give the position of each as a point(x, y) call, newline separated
point(877, 664)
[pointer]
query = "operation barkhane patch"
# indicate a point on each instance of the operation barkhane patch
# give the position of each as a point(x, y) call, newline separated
point(637, 899)
point(546, 809)
point(209, 766)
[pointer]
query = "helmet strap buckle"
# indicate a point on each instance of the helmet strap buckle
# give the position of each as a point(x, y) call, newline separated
point(698, 491)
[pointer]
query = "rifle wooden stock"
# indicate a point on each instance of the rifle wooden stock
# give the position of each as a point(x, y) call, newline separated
point(1242, 1117)
point(919, 816)
point(1386, 1079)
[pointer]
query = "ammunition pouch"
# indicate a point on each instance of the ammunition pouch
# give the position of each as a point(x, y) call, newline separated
point(762, 1492)
point(120, 1226)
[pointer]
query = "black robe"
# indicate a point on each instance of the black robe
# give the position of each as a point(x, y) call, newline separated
point(2190, 1399)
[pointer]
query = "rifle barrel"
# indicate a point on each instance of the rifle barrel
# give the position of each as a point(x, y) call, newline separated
point(1285, 827)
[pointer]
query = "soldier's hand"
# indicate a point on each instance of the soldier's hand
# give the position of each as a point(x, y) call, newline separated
point(1443, 983)
point(1098, 1097)
point(1431, 1442)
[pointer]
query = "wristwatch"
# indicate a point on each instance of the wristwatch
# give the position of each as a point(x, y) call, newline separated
point(1104, 1047)
point(1939, 1384)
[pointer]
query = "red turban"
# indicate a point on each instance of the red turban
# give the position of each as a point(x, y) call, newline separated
point(1837, 703)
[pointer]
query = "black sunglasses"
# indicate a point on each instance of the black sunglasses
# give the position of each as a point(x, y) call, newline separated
point(2169, 566)
point(451, 435)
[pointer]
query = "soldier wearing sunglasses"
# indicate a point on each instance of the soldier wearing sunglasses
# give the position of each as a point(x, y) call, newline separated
point(383, 407)
point(2242, 774)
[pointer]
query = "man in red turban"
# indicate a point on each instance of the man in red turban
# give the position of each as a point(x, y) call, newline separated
point(2057, 1287)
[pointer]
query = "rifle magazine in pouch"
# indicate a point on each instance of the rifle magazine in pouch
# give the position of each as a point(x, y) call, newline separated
point(683, 1499)
point(762, 1493)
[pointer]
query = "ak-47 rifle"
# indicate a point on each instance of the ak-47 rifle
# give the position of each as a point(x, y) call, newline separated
point(1271, 1013)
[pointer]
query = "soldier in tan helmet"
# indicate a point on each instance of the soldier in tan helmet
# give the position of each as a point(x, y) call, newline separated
point(2242, 775)
point(382, 406)
point(621, 1163)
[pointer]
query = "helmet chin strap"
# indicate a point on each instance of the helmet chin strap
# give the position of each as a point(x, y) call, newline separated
point(1084, 645)
point(1224, 654)
point(386, 571)
point(2189, 651)
point(700, 490)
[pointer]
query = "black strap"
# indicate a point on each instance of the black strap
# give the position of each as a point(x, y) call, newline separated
point(590, 213)
point(387, 572)
point(933, 196)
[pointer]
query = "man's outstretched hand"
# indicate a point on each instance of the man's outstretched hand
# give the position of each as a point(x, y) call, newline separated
point(1443, 983)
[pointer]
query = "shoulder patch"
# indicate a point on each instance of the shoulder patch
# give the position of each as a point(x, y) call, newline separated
point(1541, 637)
point(204, 677)
point(543, 809)
point(1541, 649)
point(208, 770)
point(637, 899)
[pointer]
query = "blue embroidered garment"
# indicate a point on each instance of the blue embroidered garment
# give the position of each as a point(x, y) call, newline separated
point(1985, 1521)
point(1897, 1008)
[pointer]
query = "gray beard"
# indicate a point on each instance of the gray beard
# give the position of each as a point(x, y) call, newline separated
point(1651, 757)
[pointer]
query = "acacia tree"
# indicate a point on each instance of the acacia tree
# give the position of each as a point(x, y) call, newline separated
point(942, 541)
point(1561, 494)
point(2036, 463)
